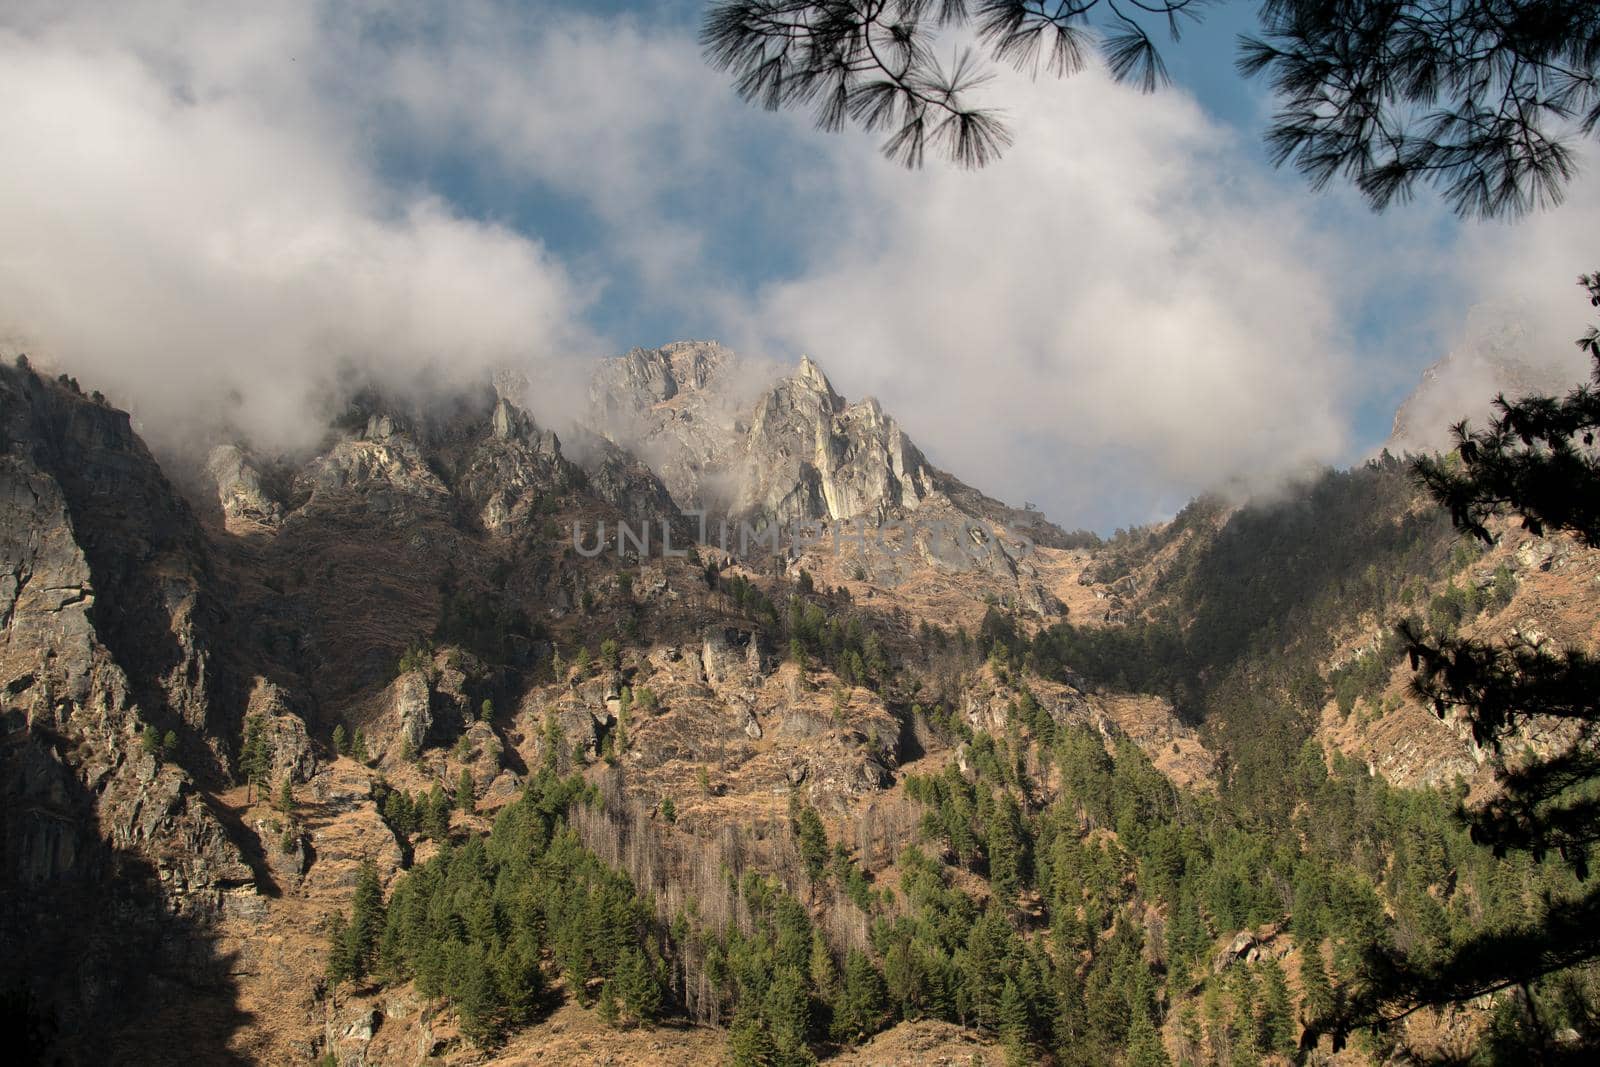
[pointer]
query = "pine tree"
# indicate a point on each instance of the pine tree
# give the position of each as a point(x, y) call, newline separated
point(637, 986)
point(436, 819)
point(1144, 1043)
point(859, 1012)
point(1314, 983)
point(358, 747)
point(1534, 461)
point(788, 1014)
point(477, 1000)
point(340, 965)
point(466, 792)
point(150, 741)
point(286, 795)
point(749, 1044)
point(1005, 850)
point(366, 920)
point(553, 741)
point(341, 742)
point(610, 655)
point(1274, 1013)
point(399, 812)
point(986, 963)
point(669, 810)
point(811, 837)
point(1015, 1030)
point(255, 758)
point(606, 1007)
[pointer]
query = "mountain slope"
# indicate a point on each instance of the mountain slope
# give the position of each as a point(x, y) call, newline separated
point(956, 782)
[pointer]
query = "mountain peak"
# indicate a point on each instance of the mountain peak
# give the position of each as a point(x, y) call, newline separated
point(811, 374)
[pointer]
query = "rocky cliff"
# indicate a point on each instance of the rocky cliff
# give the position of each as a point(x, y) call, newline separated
point(114, 861)
point(412, 587)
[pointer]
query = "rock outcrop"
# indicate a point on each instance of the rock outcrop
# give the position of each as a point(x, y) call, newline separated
point(797, 458)
point(114, 864)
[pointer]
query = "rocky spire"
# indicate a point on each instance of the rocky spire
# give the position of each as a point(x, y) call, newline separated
point(811, 375)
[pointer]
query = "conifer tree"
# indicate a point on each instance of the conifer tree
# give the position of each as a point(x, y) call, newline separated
point(985, 967)
point(811, 837)
point(341, 742)
point(823, 971)
point(859, 1011)
point(1014, 1027)
point(1535, 460)
point(1144, 1043)
point(477, 999)
point(637, 986)
point(749, 1044)
point(150, 741)
point(606, 1007)
point(366, 920)
point(1314, 984)
point(340, 965)
point(466, 792)
point(788, 1014)
point(1274, 1013)
point(286, 795)
point(1005, 850)
point(255, 758)
point(436, 820)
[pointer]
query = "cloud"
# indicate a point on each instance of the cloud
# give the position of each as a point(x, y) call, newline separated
point(1527, 269)
point(208, 206)
point(1116, 310)
point(191, 229)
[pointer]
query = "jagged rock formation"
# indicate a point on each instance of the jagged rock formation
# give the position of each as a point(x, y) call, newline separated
point(800, 455)
point(239, 487)
point(796, 451)
point(111, 863)
point(412, 583)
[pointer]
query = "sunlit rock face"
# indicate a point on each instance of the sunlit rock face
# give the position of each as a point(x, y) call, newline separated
point(787, 450)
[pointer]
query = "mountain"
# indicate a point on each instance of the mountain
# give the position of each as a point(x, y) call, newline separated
point(1495, 355)
point(452, 740)
point(794, 452)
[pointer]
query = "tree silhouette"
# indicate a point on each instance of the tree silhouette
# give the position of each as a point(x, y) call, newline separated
point(1535, 459)
point(1479, 97)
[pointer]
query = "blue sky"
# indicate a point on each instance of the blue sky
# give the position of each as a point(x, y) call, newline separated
point(1129, 308)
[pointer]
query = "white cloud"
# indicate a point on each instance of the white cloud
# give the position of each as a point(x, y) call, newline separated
point(185, 220)
point(1530, 268)
point(1122, 312)
point(1115, 300)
